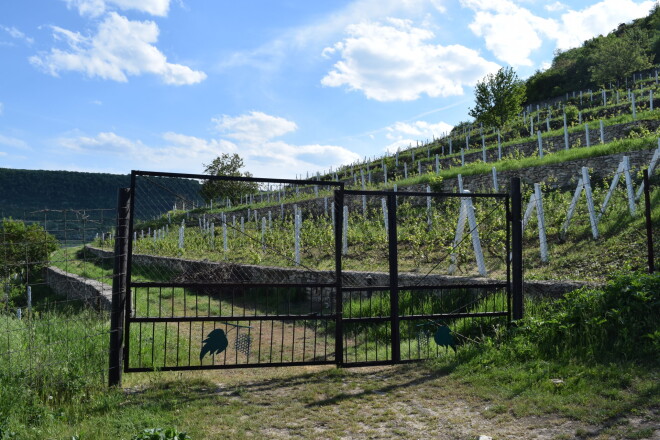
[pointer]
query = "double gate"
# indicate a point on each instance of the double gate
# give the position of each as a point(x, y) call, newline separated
point(305, 272)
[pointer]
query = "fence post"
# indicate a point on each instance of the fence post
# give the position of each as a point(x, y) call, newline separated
point(338, 220)
point(394, 277)
point(649, 225)
point(516, 249)
point(119, 289)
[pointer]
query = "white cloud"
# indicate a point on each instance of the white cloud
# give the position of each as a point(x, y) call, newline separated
point(404, 134)
point(420, 130)
point(395, 62)
point(254, 127)
point(556, 6)
point(95, 8)
point(315, 36)
point(512, 33)
point(600, 18)
point(264, 156)
point(15, 33)
point(13, 142)
point(120, 48)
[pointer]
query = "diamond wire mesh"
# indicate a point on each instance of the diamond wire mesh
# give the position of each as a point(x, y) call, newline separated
point(54, 322)
point(247, 267)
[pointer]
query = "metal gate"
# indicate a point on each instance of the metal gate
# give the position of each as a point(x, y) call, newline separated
point(231, 272)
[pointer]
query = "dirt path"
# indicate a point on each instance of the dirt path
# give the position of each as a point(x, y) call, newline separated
point(397, 402)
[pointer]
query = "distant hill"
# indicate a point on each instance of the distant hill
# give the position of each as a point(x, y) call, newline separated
point(631, 47)
point(26, 191)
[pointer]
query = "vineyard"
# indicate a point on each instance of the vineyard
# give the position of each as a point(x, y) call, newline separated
point(248, 280)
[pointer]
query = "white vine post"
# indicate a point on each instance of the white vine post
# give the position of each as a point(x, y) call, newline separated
point(437, 164)
point(344, 247)
point(566, 146)
point(540, 142)
point(384, 204)
point(654, 162)
point(405, 170)
point(225, 243)
point(297, 224)
point(364, 199)
point(584, 183)
point(263, 232)
point(586, 134)
point(602, 132)
point(385, 173)
point(483, 148)
point(634, 110)
point(429, 213)
point(499, 145)
point(462, 158)
point(451, 150)
point(624, 168)
point(467, 214)
point(496, 186)
point(536, 202)
point(460, 183)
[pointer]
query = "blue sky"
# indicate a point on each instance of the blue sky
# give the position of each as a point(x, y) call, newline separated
point(293, 86)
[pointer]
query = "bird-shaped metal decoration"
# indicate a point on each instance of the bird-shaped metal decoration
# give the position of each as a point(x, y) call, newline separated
point(444, 337)
point(216, 342)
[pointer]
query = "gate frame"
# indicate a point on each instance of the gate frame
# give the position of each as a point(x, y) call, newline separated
point(122, 283)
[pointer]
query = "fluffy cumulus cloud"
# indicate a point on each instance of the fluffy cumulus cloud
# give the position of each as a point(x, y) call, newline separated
point(119, 49)
point(264, 154)
point(254, 126)
point(396, 61)
point(403, 134)
point(95, 8)
point(600, 18)
point(512, 32)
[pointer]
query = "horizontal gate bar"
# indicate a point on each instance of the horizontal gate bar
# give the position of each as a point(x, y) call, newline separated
point(357, 192)
point(445, 287)
point(238, 179)
point(233, 318)
point(436, 316)
point(228, 366)
point(246, 285)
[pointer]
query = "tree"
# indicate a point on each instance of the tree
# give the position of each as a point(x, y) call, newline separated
point(226, 165)
point(498, 98)
point(614, 58)
point(24, 247)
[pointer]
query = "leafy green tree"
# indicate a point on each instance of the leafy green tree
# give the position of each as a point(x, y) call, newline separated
point(226, 165)
point(498, 98)
point(24, 246)
point(614, 58)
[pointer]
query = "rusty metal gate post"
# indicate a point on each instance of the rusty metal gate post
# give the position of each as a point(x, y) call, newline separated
point(339, 298)
point(649, 224)
point(516, 249)
point(119, 288)
point(394, 277)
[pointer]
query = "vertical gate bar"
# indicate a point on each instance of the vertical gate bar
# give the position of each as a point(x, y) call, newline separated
point(129, 264)
point(394, 277)
point(516, 251)
point(119, 289)
point(339, 303)
point(507, 202)
point(649, 225)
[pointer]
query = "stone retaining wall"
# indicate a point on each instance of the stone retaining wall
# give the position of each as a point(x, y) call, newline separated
point(72, 286)
point(219, 272)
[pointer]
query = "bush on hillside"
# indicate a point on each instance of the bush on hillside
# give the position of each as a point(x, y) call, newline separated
point(618, 322)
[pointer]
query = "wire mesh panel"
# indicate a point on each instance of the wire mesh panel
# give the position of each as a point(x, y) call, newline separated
point(227, 273)
point(439, 273)
point(54, 323)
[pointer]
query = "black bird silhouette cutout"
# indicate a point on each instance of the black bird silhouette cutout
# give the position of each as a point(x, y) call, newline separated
point(444, 337)
point(216, 342)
